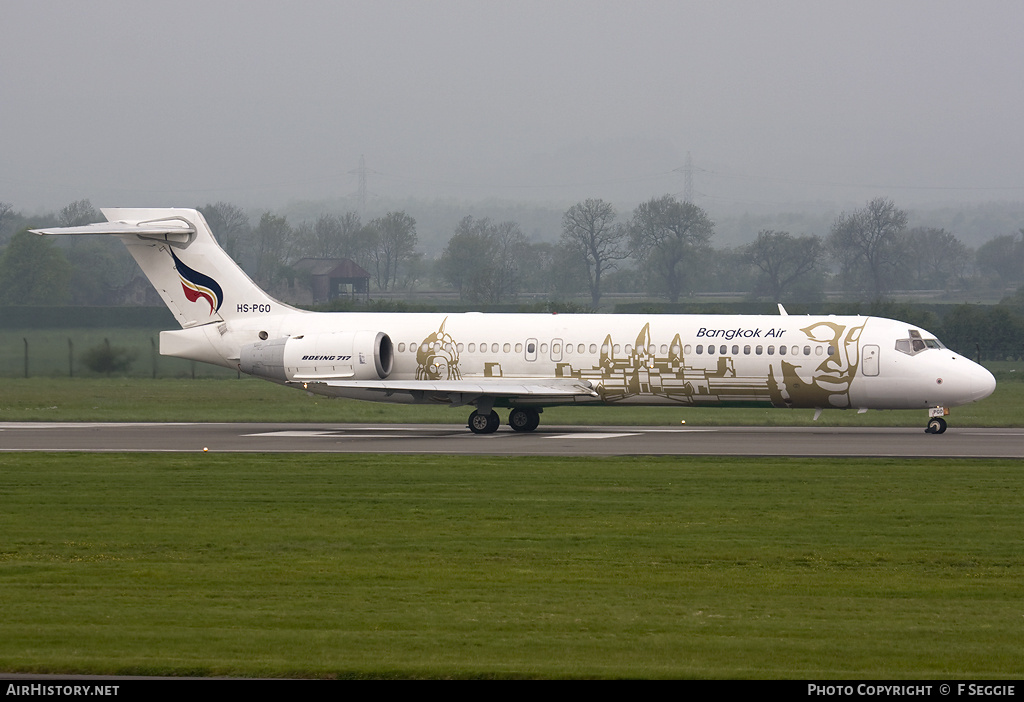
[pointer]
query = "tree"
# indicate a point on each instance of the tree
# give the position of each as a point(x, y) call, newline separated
point(78, 213)
point(228, 224)
point(784, 261)
point(273, 245)
point(33, 272)
point(392, 244)
point(6, 209)
point(936, 259)
point(869, 246)
point(589, 230)
point(669, 238)
point(482, 260)
point(1002, 259)
point(334, 236)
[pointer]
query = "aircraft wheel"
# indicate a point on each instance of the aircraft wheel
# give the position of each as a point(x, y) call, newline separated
point(484, 423)
point(936, 425)
point(524, 419)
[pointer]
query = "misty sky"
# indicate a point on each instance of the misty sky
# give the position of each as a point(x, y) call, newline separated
point(260, 103)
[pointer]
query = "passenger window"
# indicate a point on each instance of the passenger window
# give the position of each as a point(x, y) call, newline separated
point(472, 348)
point(758, 350)
point(782, 350)
point(771, 350)
point(582, 348)
point(807, 350)
point(401, 347)
point(687, 350)
point(507, 348)
point(746, 350)
point(519, 348)
point(700, 349)
point(735, 350)
point(593, 348)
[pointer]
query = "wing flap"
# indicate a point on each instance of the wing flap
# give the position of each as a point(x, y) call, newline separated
point(461, 391)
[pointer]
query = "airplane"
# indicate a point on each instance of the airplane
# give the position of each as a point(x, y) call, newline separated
point(526, 362)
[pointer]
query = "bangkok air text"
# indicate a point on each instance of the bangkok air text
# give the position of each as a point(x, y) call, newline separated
point(739, 333)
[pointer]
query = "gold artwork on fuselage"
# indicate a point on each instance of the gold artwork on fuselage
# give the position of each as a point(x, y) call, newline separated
point(828, 383)
point(816, 371)
point(645, 372)
point(438, 357)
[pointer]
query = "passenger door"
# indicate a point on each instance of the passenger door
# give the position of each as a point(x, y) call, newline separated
point(869, 364)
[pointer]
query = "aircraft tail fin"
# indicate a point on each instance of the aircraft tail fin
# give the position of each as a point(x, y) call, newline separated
point(178, 253)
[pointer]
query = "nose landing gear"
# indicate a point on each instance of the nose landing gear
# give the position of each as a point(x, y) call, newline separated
point(936, 423)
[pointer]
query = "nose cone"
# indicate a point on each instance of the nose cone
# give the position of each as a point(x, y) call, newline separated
point(983, 383)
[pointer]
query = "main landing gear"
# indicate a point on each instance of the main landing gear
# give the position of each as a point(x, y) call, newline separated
point(520, 419)
point(936, 423)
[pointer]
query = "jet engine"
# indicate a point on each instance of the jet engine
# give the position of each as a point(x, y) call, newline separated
point(360, 355)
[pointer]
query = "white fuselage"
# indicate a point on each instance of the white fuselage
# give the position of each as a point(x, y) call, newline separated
point(781, 361)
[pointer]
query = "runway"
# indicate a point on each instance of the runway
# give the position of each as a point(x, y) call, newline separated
point(546, 441)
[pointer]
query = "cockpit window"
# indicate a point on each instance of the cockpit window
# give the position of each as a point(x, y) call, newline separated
point(915, 343)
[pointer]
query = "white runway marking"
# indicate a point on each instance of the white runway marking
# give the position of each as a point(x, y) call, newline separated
point(295, 434)
point(587, 435)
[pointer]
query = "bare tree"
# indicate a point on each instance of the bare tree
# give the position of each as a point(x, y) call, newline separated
point(229, 225)
point(936, 258)
point(6, 209)
point(589, 230)
point(483, 261)
point(78, 213)
point(1002, 259)
point(869, 247)
point(783, 260)
point(274, 240)
point(669, 238)
point(393, 242)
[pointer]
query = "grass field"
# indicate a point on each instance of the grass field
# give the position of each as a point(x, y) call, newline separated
point(392, 566)
point(431, 566)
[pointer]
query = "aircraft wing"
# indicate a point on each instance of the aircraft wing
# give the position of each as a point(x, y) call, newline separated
point(461, 392)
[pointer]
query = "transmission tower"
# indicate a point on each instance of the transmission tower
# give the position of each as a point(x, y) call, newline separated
point(688, 179)
point(361, 188)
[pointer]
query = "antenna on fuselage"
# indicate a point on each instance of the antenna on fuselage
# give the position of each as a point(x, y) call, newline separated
point(782, 310)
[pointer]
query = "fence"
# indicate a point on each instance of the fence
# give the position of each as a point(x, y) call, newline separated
point(30, 353)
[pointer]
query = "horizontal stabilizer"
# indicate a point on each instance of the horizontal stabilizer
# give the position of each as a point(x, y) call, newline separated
point(174, 229)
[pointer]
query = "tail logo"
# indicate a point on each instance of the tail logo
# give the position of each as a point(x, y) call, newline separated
point(197, 285)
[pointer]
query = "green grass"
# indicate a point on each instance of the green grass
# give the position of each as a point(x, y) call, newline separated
point(392, 566)
point(230, 400)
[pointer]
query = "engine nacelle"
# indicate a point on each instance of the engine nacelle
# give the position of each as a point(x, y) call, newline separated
point(361, 355)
